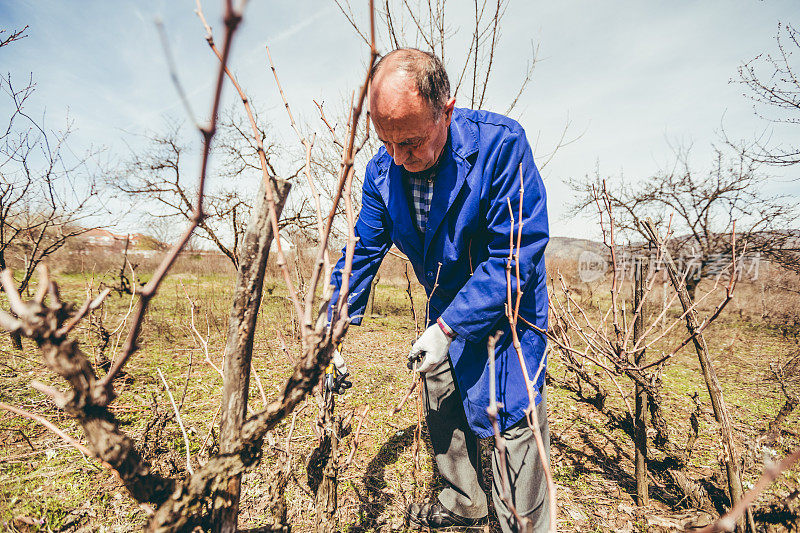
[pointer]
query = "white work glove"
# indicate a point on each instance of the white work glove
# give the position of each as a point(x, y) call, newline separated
point(432, 347)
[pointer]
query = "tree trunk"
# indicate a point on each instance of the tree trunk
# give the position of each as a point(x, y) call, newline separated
point(16, 340)
point(326, 496)
point(371, 301)
point(640, 419)
point(239, 345)
point(691, 285)
point(710, 376)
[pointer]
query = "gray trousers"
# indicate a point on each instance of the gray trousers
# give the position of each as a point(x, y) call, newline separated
point(457, 455)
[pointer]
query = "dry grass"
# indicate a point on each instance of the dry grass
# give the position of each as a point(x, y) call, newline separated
point(44, 482)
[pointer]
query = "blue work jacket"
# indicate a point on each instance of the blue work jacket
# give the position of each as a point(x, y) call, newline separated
point(468, 230)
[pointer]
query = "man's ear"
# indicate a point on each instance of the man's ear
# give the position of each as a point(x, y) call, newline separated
point(448, 109)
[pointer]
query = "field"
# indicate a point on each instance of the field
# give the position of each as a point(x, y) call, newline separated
point(47, 485)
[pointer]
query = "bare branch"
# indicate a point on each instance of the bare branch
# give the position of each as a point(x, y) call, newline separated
point(52, 427)
point(180, 423)
point(232, 20)
point(14, 36)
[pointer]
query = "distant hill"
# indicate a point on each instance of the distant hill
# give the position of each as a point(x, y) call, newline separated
point(569, 248)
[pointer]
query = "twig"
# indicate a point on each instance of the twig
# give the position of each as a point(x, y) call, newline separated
point(355, 437)
point(211, 427)
point(345, 175)
point(262, 157)
point(308, 146)
point(499, 441)
point(188, 378)
point(89, 305)
point(27, 440)
point(180, 423)
point(173, 73)
point(411, 302)
point(512, 313)
point(288, 445)
point(52, 427)
point(433, 290)
point(118, 330)
point(326, 263)
point(15, 36)
point(258, 383)
point(409, 391)
point(284, 348)
point(421, 389)
point(203, 342)
point(331, 129)
point(104, 392)
point(58, 398)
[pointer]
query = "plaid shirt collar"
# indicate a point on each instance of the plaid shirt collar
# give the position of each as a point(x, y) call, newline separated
point(419, 187)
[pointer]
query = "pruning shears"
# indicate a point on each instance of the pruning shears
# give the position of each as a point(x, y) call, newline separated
point(336, 381)
point(415, 360)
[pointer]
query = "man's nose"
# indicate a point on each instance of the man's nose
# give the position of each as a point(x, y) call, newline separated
point(399, 154)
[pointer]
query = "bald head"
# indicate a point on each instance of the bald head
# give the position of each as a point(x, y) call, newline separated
point(410, 107)
point(423, 70)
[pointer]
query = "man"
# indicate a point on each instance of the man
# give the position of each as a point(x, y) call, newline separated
point(440, 190)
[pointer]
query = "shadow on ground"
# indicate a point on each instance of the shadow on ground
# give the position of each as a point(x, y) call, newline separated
point(596, 458)
point(374, 499)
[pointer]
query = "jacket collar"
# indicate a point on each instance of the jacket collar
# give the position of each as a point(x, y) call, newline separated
point(464, 134)
point(454, 168)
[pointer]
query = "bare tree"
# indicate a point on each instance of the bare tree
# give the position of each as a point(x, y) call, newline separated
point(428, 26)
point(618, 344)
point(156, 176)
point(183, 504)
point(467, 51)
point(239, 147)
point(48, 195)
point(160, 232)
point(772, 81)
point(701, 209)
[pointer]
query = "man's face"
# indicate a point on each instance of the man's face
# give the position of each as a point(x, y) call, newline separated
point(412, 135)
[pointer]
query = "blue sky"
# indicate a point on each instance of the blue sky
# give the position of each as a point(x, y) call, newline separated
point(633, 78)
